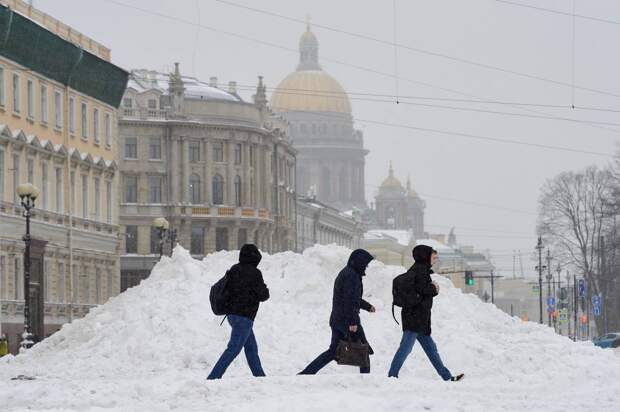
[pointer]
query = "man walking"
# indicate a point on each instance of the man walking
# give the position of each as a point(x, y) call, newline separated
point(346, 304)
point(416, 320)
point(245, 290)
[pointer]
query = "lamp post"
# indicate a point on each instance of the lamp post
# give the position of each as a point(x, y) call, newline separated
point(28, 193)
point(162, 225)
point(540, 269)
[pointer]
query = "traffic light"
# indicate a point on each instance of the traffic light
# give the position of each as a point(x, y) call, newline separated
point(563, 294)
point(469, 278)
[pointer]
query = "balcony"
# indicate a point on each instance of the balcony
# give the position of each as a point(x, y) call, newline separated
point(130, 113)
point(231, 212)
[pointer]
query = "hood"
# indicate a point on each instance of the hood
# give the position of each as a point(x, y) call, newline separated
point(359, 261)
point(250, 254)
point(422, 254)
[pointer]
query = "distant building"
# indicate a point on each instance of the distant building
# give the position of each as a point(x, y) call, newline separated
point(221, 170)
point(319, 223)
point(398, 208)
point(58, 130)
point(330, 160)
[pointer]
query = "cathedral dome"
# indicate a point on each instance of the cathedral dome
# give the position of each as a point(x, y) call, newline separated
point(309, 88)
point(391, 182)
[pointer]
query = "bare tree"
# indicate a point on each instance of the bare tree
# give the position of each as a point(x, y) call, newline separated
point(574, 211)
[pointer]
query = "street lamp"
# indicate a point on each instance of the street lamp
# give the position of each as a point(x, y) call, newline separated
point(162, 225)
point(28, 193)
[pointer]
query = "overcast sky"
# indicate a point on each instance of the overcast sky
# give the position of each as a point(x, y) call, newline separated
point(471, 172)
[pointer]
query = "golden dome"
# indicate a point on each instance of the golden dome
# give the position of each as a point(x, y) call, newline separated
point(411, 193)
point(310, 90)
point(391, 181)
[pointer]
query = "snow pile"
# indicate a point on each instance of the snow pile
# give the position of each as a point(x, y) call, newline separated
point(163, 331)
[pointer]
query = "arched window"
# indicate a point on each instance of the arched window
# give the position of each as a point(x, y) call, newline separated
point(194, 189)
point(218, 190)
point(238, 191)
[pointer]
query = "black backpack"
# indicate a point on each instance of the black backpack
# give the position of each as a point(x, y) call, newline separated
point(218, 296)
point(404, 294)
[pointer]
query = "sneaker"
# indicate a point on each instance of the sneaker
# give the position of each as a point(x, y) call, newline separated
point(458, 377)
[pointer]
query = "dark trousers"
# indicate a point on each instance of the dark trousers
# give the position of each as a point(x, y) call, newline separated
point(330, 354)
point(241, 337)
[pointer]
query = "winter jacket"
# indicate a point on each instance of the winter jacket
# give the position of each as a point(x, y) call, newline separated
point(348, 290)
point(245, 287)
point(418, 318)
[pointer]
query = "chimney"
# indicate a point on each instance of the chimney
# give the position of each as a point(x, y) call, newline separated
point(232, 87)
point(213, 81)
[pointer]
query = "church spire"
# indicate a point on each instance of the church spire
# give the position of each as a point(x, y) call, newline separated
point(308, 50)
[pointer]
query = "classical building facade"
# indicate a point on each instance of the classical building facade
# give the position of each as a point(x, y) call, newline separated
point(221, 170)
point(319, 223)
point(58, 99)
point(399, 208)
point(330, 161)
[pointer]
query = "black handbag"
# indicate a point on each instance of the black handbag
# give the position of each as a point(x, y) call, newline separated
point(353, 353)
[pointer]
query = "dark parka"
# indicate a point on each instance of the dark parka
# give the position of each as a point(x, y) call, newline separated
point(348, 291)
point(245, 287)
point(418, 318)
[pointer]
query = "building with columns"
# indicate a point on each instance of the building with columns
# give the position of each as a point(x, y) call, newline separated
point(330, 160)
point(59, 94)
point(221, 170)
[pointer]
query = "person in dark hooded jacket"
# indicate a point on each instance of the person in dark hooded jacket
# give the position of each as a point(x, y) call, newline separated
point(245, 290)
point(416, 320)
point(346, 304)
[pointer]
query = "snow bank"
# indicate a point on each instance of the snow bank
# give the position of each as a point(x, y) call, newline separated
point(165, 326)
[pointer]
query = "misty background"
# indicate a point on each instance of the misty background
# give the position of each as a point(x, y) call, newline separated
point(487, 190)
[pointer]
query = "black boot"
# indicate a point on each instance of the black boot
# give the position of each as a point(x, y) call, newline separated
point(458, 377)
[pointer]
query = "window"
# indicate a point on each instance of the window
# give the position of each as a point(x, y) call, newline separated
point(108, 196)
point(127, 102)
point(30, 165)
point(218, 151)
point(30, 97)
point(131, 189)
point(72, 183)
point(86, 287)
point(15, 177)
point(85, 196)
point(131, 148)
point(218, 189)
point(58, 109)
point(108, 132)
point(238, 191)
point(97, 198)
point(252, 156)
point(43, 104)
point(2, 88)
point(44, 186)
point(74, 284)
point(155, 148)
point(59, 193)
point(84, 120)
point(198, 240)
point(238, 148)
point(61, 282)
point(97, 285)
point(96, 125)
point(194, 152)
point(155, 183)
point(194, 189)
point(154, 240)
point(242, 238)
point(1, 175)
point(152, 104)
point(71, 115)
point(131, 239)
point(221, 238)
point(16, 102)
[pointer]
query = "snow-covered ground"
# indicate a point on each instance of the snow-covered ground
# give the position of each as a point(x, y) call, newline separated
point(151, 348)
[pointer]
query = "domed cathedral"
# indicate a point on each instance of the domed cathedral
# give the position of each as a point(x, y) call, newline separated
point(398, 207)
point(330, 159)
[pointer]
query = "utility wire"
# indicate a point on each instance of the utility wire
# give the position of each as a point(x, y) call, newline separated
point(423, 51)
point(563, 13)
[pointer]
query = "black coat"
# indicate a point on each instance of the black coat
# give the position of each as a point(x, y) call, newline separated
point(245, 287)
point(418, 318)
point(348, 290)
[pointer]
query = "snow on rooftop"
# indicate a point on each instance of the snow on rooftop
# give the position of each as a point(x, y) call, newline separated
point(150, 349)
point(435, 244)
point(402, 237)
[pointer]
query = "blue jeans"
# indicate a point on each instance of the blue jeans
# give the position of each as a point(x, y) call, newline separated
point(241, 337)
point(330, 354)
point(406, 345)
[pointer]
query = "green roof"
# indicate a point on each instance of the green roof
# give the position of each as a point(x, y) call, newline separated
point(33, 46)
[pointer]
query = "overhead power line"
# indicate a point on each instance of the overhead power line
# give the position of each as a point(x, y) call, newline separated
point(426, 52)
point(559, 12)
